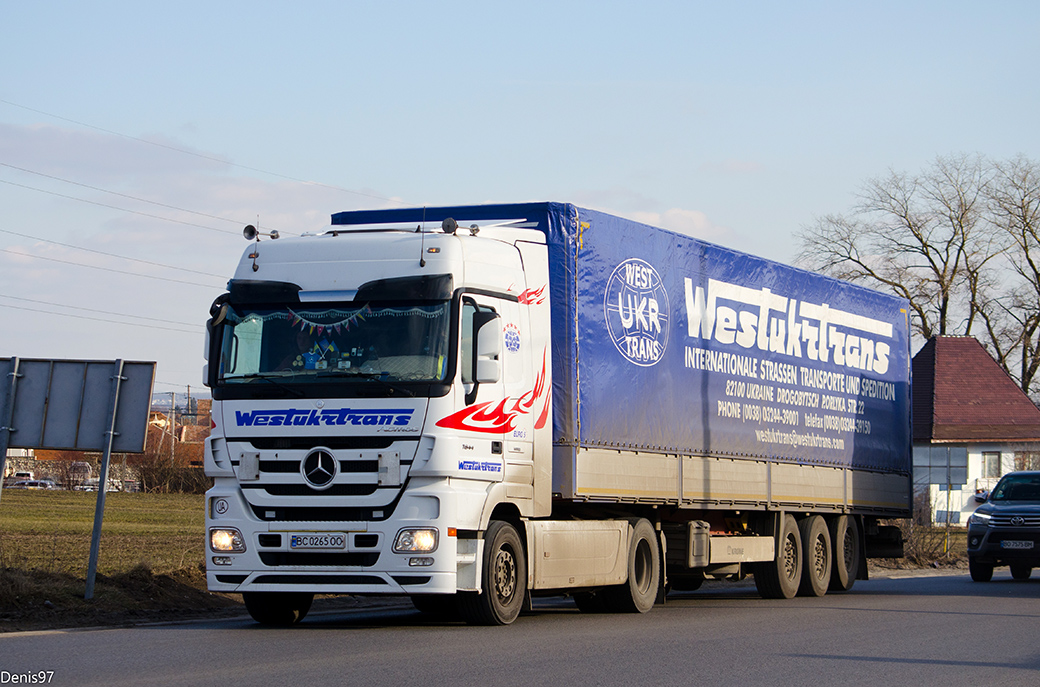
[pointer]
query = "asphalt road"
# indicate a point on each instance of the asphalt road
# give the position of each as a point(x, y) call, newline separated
point(926, 630)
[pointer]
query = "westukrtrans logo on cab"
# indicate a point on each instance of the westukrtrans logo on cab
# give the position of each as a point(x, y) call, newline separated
point(635, 305)
point(338, 417)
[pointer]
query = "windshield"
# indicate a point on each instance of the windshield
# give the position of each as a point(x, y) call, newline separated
point(1017, 488)
point(394, 343)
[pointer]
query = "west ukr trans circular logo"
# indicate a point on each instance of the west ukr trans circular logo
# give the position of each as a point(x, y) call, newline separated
point(636, 308)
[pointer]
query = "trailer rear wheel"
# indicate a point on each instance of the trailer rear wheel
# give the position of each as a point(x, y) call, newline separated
point(780, 577)
point(503, 579)
point(280, 609)
point(845, 539)
point(639, 593)
point(816, 556)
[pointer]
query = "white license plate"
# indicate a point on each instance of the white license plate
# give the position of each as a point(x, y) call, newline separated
point(318, 540)
point(1013, 544)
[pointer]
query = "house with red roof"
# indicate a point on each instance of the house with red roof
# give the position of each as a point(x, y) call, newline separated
point(971, 425)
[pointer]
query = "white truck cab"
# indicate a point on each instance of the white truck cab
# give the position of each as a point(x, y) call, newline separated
point(379, 393)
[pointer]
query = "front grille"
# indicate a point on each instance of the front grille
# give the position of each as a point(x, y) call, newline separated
point(1004, 520)
point(305, 490)
point(269, 541)
point(318, 579)
point(321, 513)
point(405, 580)
point(231, 579)
point(292, 466)
point(366, 541)
point(316, 558)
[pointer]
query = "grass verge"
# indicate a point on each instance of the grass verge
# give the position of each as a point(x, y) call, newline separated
point(150, 559)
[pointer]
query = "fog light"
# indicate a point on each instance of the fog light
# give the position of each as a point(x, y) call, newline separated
point(222, 560)
point(420, 562)
point(416, 540)
point(230, 540)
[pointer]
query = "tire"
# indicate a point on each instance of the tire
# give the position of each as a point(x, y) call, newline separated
point(816, 556)
point(639, 593)
point(278, 609)
point(980, 572)
point(846, 559)
point(1021, 571)
point(439, 606)
point(503, 582)
point(780, 577)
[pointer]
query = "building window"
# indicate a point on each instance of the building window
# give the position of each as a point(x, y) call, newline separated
point(991, 464)
point(1027, 460)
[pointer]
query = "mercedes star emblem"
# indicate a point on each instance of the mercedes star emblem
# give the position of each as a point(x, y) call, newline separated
point(319, 468)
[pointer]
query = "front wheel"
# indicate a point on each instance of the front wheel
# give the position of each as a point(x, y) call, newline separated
point(980, 572)
point(278, 609)
point(503, 579)
point(1021, 571)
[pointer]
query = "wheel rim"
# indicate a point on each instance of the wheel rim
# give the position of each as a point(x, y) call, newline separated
point(848, 550)
point(505, 575)
point(790, 559)
point(820, 557)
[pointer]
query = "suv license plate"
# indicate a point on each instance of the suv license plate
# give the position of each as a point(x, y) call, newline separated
point(318, 540)
point(1013, 544)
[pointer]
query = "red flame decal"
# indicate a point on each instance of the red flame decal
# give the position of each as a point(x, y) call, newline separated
point(499, 417)
point(533, 297)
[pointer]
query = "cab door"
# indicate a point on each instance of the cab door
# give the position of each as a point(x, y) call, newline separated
point(497, 418)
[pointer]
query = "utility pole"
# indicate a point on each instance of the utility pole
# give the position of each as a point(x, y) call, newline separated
point(173, 427)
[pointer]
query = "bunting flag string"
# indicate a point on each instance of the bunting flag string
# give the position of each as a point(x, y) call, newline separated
point(304, 320)
point(299, 320)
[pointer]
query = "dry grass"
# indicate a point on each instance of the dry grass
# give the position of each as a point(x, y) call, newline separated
point(150, 562)
point(50, 531)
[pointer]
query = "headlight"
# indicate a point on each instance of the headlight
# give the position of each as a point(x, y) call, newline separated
point(979, 519)
point(416, 540)
point(226, 540)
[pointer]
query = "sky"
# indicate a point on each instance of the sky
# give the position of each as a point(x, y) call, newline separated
point(137, 139)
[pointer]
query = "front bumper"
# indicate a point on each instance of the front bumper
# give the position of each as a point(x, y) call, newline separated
point(365, 564)
point(1004, 545)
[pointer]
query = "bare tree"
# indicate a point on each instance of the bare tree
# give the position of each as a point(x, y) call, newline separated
point(920, 237)
point(960, 241)
point(1014, 206)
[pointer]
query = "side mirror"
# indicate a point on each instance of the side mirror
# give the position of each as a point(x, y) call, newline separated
point(488, 327)
point(983, 497)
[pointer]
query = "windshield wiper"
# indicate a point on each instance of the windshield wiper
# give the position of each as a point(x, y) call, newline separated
point(380, 377)
point(276, 378)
